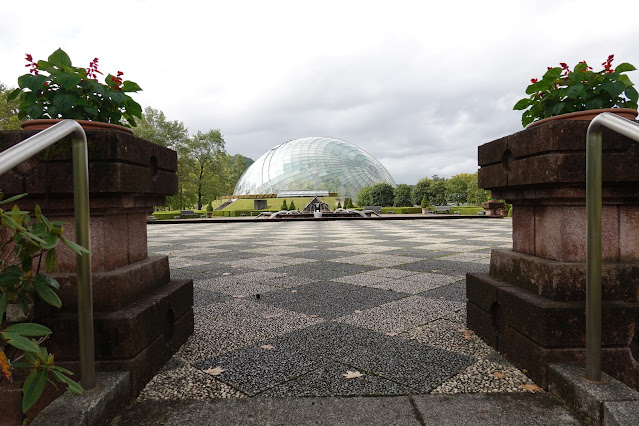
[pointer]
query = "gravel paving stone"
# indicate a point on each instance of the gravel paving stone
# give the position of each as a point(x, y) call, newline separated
point(186, 382)
point(413, 364)
point(328, 380)
point(233, 286)
point(447, 335)
point(203, 297)
point(254, 369)
point(485, 376)
point(317, 254)
point(455, 291)
point(328, 299)
point(323, 270)
point(401, 315)
point(442, 266)
point(375, 259)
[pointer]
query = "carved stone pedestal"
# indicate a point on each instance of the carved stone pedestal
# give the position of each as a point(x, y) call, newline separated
point(141, 316)
point(531, 305)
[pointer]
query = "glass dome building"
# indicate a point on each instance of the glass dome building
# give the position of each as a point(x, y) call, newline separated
point(316, 163)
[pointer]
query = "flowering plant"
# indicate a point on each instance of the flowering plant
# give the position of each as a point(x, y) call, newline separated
point(562, 91)
point(56, 89)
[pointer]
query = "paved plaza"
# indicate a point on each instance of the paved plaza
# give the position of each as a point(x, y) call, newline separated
point(331, 308)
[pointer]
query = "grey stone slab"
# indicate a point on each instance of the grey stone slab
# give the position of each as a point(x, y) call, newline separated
point(203, 297)
point(621, 413)
point(318, 254)
point(328, 299)
point(583, 397)
point(323, 270)
point(273, 411)
point(401, 315)
point(110, 394)
point(254, 369)
point(455, 291)
point(418, 366)
point(498, 410)
point(329, 380)
point(444, 267)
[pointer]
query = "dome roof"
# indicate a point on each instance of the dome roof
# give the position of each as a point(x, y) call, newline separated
point(316, 163)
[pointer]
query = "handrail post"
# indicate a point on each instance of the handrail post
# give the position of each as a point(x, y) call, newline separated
point(594, 176)
point(83, 261)
point(593, 253)
point(26, 149)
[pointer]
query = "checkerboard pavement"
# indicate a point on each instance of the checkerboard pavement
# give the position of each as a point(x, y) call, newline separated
point(288, 308)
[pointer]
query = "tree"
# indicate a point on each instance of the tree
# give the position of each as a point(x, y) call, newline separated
point(284, 206)
point(292, 206)
point(204, 148)
point(476, 195)
point(438, 193)
point(425, 203)
point(382, 194)
point(364, 196)
point(422, 187)
point(457, 187)
point(8, 110)
point(154, 127)
point(402, 196)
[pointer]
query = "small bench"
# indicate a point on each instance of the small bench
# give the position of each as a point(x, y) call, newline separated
point(187, 213)
point(443, 209)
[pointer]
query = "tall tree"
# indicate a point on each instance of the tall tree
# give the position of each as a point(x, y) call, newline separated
point(204, 148)
point(402, 196)
point(8, 110)
point(382, 194)
point(422, 187)
point(154, 127)
point(364, 196)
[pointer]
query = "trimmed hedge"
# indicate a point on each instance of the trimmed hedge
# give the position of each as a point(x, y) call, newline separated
point(402, 210)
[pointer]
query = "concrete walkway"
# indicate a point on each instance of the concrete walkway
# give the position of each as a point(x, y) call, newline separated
point(290, 317)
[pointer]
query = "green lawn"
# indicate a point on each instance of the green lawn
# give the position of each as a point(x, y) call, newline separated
point(274, 204)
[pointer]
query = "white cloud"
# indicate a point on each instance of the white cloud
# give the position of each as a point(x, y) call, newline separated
point(417, 84)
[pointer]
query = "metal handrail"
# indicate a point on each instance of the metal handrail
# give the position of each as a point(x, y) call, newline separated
point(27, 149)
point(629, 129)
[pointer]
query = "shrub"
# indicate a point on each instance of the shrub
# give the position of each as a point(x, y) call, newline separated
point(425, 202)
point(292, 206)
point(339, 205)
point(284, 206)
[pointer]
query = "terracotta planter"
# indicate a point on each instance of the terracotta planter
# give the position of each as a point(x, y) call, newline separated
point(86, 125)
point(627, 113)
point(209, 214)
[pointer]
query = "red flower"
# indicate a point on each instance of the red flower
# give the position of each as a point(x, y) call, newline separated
point(564, 66)
point(533, 80)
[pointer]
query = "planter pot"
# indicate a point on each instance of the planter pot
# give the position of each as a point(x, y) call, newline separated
point(424, 210)
point(209, 214)
point(86, 125)
point(317, 214)
point(627, 113)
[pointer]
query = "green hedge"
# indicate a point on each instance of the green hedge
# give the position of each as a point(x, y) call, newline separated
point(466, 210)
point(402, 210)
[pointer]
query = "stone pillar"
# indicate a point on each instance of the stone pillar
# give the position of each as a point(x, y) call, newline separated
point(531, 305)
point(141, 316)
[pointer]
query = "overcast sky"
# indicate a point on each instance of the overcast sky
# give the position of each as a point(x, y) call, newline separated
point(417, 84)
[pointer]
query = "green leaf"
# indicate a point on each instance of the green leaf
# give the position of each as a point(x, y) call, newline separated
point(129, 86)
point(10, 276)
point(614, 89)
point(4, 301)
point(20, 342)
point(33, 387)
point(14, 94)
point(35, 238)
point(14, 198)
point(19, 364)
point(62, 370)
point(63, 101)
point(51, 241)
point(29, 329)
point(624, 67)
point(51, 260)
point(35, 83)
point(631, 93)
point(46, 293)
point(73, 387)
point(69, 81)
point(76, 248)
point(522, 104)
point(59, 58)
point(574, 92)
point(556, 110)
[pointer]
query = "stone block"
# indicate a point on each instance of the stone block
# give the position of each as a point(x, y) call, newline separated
point(116, 289)
point(122, 334)
point(563, 281)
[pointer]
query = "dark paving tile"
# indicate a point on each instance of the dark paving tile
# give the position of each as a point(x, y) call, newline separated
point(328, 380)
point(444, 267)
point(227, 256)
point(323, 270)
point(413, 364)
point(455, 291)
point(318, 254)
point(412, 251)
point(329, 299)
point(203, 297)
point(252, 370)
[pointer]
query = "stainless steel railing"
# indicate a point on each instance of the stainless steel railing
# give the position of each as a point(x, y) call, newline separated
point(593, 232)
point(27, 149)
